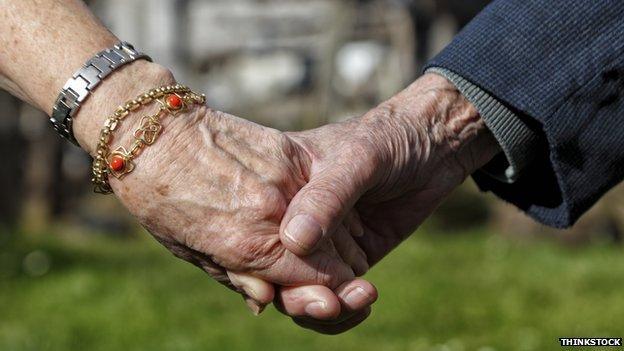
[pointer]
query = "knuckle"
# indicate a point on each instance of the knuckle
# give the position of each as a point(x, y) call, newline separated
point(267, 203)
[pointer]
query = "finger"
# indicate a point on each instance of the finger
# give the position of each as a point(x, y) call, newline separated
point(350, 251)
point(255, 308)
point(323, 267)
point(313, 301)
point(256, 292)
point(319, 207)
point(334, 328)
point(261, 291)
point(356, 295)
point(353, 222)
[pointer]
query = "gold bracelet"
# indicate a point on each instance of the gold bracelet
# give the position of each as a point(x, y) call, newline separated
point(173, 99)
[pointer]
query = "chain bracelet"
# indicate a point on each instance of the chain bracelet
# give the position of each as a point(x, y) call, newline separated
point(173, 99)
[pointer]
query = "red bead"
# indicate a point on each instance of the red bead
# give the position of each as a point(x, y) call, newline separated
point(174, 102)
point(117, 163)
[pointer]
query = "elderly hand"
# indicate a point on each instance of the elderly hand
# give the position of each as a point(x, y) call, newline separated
point(394, 166)
point(213, 190)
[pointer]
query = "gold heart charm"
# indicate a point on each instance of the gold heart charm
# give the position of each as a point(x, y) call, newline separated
point(149, 130)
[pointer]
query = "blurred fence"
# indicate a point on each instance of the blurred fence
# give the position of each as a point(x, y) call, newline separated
point(285, 63)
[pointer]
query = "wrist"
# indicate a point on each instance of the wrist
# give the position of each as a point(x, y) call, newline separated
point(455, 128)
point(430, 133)
point(126, 83)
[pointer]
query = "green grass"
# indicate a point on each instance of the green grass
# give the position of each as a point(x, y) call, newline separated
point(470, 291)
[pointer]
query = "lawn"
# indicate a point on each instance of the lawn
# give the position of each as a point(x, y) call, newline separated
point(439, 291)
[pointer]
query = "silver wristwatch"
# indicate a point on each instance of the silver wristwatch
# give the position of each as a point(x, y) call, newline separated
point(85, 80)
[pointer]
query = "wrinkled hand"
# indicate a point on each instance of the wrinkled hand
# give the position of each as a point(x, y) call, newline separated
point(394, 166)
point(213, 190)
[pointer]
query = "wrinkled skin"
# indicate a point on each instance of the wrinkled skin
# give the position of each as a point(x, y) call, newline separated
point(391, 168)
point(223, 198)
point(218, 204)
point(394, 166)
point(213, 189)
point(218, 192)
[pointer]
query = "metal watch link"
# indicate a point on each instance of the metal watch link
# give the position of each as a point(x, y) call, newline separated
point(85, 80)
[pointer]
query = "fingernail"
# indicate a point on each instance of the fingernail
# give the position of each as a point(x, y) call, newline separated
point(304, 231)
point(255, 308)
point(315, 308)
point(251, 292)
point(356, 296)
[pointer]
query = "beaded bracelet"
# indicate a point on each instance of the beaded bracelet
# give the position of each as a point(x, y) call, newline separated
point(173, 99)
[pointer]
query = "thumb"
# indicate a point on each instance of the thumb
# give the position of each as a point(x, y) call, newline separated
point(320, 206)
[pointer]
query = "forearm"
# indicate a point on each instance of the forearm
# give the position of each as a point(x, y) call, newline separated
point(44, 42)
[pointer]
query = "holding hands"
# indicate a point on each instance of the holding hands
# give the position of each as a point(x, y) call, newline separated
point(295, 217)
point(286, 217)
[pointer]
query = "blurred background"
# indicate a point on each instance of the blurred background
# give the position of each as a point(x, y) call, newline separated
point(76, 272)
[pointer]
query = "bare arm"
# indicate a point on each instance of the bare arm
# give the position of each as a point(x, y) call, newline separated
point(45, 41)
